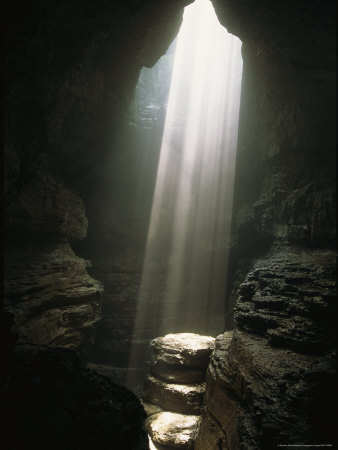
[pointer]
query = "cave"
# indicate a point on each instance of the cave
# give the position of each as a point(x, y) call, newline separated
point(89, 293)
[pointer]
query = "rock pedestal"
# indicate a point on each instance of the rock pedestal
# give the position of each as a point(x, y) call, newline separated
point(173, 392)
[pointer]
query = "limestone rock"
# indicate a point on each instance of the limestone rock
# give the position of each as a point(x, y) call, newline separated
point(183, 349)
point(261, 396)
point(290, 299)
point(177, 431)
point(184, 398)
point(44, 208)
point(211, 435)
point(51, 296)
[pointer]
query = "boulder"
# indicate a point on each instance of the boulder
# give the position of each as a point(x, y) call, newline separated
point(173, 431)
point(183, 349)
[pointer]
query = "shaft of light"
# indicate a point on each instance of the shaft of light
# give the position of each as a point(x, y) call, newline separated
point(185, 265)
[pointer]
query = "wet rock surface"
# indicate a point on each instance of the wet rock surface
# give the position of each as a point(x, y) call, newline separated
point(183, 349)
point(47, 289)
point(272, 382)
point(291, 300)
point(173, 406)
point(51, 296)
point(52, 401)
point(173, 431)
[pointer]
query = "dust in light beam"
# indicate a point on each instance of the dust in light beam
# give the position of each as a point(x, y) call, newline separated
point(185, 264)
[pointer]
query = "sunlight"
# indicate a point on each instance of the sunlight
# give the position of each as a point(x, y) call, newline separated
point(184, 272)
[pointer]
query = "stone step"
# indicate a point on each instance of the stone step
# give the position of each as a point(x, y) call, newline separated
point(183, 349)
point(171, 431)
point(182, 398)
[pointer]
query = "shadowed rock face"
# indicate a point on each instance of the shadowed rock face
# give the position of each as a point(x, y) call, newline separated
point(71, 67)
point(53, 299)
point(259, 396)
point(285, 185)
point(51, 401)
point(70, 72)
point(290, 300)
point(273, 384)
point(47, 288)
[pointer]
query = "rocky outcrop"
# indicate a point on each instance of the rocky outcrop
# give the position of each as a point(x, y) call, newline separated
point(267, 384)
point(259, 397)
point(47, 288)
point(285, 188)
point(81, 66)
point(183, 349)
point(274, 384)
point(290, 299)
point(173, 431)
point(52, 298)
point(174, 406)
point(52, 401)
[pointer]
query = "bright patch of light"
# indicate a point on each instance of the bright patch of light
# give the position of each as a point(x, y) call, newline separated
point(183, 280)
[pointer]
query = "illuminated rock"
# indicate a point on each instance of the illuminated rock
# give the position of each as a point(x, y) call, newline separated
point(173, 430)
point(183, 349)
point(184, 398)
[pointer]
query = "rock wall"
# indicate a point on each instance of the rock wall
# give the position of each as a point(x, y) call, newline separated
point(71, 68)
point(52, 401)
point(47, 289)
point(285, 188)
point(272, 383)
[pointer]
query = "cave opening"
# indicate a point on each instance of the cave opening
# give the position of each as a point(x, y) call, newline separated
point(184, 270)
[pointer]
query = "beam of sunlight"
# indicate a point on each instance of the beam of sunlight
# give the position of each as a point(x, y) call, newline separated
point(184, 271)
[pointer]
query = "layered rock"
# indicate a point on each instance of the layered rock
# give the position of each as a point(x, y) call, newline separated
point(182, 349)
point(291, 300)
point(53, 299)
point(266, 385)
point(47, 288)
point(61, 113)
point(184, 398)
point(171, 397)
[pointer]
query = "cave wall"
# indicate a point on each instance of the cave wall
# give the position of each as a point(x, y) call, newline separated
point(70, 72)
point(71, 68)
point(274, 378)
